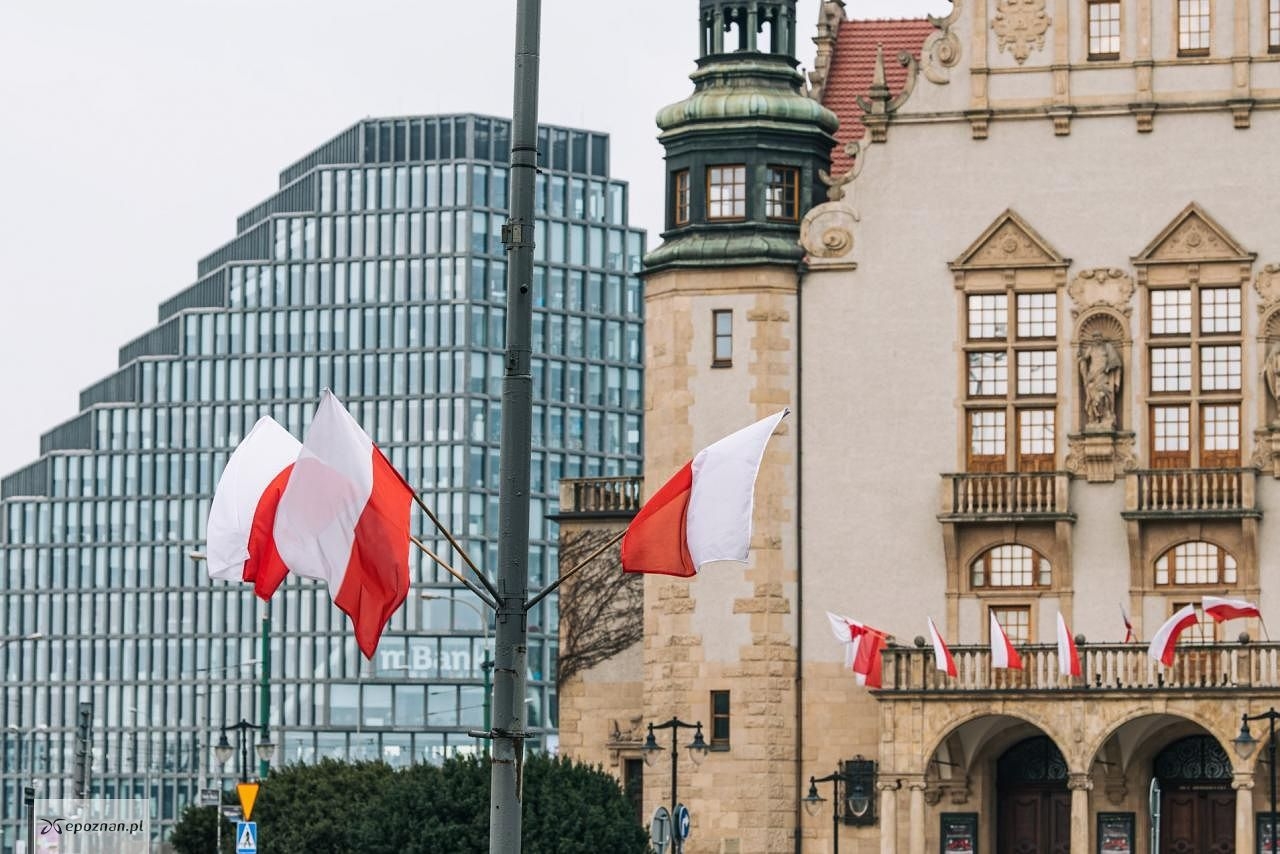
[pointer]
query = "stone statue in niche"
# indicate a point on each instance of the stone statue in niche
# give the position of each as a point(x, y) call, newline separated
point(1101, 367)
point(1271, 374)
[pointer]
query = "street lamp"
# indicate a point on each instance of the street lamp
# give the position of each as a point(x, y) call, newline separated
point(244, 736)
point(486, 665)
point(813, 802)
point(697, 752)
point(27, 796)
point(1244, 745)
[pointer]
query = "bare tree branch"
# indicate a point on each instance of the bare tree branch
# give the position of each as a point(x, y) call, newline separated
point(601, 608)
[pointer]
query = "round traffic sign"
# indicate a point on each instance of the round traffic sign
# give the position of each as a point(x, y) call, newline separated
point(660, 829)
point(683, 823)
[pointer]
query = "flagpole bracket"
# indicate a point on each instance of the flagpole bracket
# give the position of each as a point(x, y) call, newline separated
point(498, 733)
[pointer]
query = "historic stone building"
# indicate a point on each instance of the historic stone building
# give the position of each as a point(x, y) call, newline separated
point(1030, 338)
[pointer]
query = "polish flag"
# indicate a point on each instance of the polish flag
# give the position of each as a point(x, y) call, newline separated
point(941, 655)
point(239, 541)
point(1068, 656)
point(1229, 609)
point(344, 519)
point(863, 645)
point(703, 513)
point(1003, 655)
point(1128, 627)
point(1166, 636)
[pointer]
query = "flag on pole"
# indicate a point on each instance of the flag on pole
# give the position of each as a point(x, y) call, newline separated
point(1129, 637)
point(344, 519)
point(1068, 656)
point(1229, 609)
point(1003, 655)
point(1166, 637)
point(863, 646)
point(703, 513)
point(941, 655)
point(239, 542)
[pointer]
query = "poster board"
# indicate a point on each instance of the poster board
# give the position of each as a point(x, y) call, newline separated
point(1115, 833)
point(959, 833)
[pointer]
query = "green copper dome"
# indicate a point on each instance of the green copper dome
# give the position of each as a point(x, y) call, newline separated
point(752, 90)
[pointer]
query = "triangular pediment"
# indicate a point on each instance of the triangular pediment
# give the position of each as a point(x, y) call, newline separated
point(1192, 236)
point(1009, 242)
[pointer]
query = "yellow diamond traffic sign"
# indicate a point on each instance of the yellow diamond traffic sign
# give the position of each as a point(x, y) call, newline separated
point(248, 794)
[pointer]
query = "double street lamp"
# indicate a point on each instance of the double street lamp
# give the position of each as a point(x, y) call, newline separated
point(1244, 745)
point(697, 752)
point(244, 736)
point(813, 802)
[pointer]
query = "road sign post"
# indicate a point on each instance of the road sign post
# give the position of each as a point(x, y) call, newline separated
point(247, 837)
point(660, 830)
point(683, 824)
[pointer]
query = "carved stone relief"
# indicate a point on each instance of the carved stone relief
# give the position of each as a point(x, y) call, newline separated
point(827, 234)
point(1101, 457)
point(1267, 284)
point(1193, 239)
point(1020, 25)
point(941, 51)
point(1101, 287)
point(1009, 246)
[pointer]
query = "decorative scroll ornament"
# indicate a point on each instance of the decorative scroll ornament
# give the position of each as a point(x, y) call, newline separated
point(1267, 284)
point(1107, 287)
point(941, 50)
point(827, 231)
point(1020, 25)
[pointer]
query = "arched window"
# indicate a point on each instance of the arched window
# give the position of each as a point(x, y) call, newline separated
point(1196, 562)
point(1010, 565)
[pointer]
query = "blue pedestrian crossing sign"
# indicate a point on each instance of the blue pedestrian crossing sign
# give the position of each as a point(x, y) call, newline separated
point(246, 837)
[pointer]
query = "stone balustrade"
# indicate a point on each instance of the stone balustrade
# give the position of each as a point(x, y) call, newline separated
point(1172, 491)
point(1111, 667)
point(601, 494)
point(1013, 494)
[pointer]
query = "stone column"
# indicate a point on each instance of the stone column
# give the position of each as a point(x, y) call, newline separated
point(888, 816)
point(916, 837)
point(1242, 782)
point(1080, 785)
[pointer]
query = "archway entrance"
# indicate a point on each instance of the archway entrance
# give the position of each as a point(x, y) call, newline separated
point(1033, 805)
point(1197, 804)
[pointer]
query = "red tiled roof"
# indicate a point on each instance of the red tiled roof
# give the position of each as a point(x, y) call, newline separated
point(853, 65)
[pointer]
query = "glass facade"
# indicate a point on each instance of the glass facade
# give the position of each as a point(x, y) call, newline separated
point(377, 270)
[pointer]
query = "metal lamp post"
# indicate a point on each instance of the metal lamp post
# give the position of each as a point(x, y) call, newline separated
point(243, 730)
point(813, 802)
point(28, 791)
point(486, 665)
point(697, 751)
point(1244, 745)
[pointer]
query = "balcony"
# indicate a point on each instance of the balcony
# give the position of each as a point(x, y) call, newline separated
point(1105, 668)
point(600, 496)
point(1173, 493)
point(1005, 497)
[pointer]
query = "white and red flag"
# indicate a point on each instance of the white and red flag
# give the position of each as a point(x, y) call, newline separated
point(1166, 637)
point(703, 513)
point(863, 646)
point(941, 655)
point(240, 545)
point(344, 519)
point(1068, 656)
point(1129, 636)
point(1229, 609)
point(1003, 655)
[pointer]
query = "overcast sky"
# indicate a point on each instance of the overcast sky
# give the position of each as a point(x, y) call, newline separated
point(136, 131)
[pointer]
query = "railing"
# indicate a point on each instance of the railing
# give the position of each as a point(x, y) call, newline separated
point(1190, 490)
point(601, 494)
point(1119, 667)
point(1005, 494)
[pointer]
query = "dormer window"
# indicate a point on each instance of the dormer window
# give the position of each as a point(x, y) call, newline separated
point(1193, 27)
point(726, 192)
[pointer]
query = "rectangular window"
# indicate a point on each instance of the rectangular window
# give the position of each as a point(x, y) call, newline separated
point(719, 720)
point(988, 316)
point(1193, 27)
point(1220, 432)
point(1037, 372)
point(1170, 369)
point(1220, 368)
point(1203, 632)
point(782, 193)
point(680, 197)
point(1273, 26)
point(1016, 622)
point(726, 192)
point(987, 440)
point(722, 338)
point(988, 374)
point(1219, 310)
point(1171, 312)
point(1035, 439)
point(1104, 29)
point(1171, 436)
point(1037, 316)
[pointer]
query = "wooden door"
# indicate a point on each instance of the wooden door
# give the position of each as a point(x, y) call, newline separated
point(1197, 822)
point(1034, 821)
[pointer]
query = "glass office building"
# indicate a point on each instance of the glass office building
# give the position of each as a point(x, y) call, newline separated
point(376, 270)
